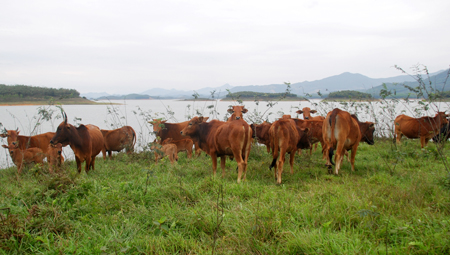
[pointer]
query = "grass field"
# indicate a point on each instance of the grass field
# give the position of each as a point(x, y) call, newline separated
point(397, 202)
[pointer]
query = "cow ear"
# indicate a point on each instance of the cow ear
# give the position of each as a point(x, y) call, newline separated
point(230, 110)
point(200, 119)
point(372, 125)
point(244, 110)
point(299, 111)
point(164, 121)
point(205, 119)
point(4, 146)
point(313, 111)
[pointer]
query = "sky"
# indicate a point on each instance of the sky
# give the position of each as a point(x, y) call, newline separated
point(123, 47)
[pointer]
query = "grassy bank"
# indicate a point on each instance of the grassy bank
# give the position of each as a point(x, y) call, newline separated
point(65, 101)
point(396, 202)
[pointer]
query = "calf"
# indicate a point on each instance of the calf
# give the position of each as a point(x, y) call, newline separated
point(54, 157)
point(236, 112)
point(182, 145)
point(24, 157)
point(286, 137)
point(117, 140)
point(168, 149)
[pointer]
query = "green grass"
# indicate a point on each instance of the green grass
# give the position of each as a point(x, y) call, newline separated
point(397, 201)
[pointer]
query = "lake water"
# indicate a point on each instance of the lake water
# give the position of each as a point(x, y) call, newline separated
point(136, 113)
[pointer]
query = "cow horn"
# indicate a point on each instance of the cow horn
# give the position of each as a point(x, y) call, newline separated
point(65, 117)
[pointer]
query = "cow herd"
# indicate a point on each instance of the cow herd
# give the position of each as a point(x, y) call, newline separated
point(337, 133)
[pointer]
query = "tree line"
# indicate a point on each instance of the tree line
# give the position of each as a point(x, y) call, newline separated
point(259, 95)
point(347, 94)
point(12, 93)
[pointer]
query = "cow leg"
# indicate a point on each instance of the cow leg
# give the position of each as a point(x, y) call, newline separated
point(156, 158)
point(110, 154)
point(291, 160)
point(280, 164)
point(354, 149)
point(78, 160)
point(339, 156)
point(398, 135)
point(214, 162)
point(222, 165)
point(92, 163)
point(104, 153)
point(189, 152)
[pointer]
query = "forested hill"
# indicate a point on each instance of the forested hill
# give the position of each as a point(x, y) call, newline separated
point(16, 93)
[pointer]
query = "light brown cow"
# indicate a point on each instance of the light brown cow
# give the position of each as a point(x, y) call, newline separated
point(343, 132)
point(261, 132)
point(40, 141)
point(117, 140)
point(182, 145)
point(286, 137)
point(424, 127)
point(237, 112)
point(54, 157)
point(86, 142)
point(219, 139)
point(306, 111)
point(165, 130)
point(24, 157)
point(168, 149)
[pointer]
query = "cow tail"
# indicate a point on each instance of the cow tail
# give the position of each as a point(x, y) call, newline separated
point(330, 155)
point(134, 138)
point(275, 146)
point(247, 136)
point(332, 122)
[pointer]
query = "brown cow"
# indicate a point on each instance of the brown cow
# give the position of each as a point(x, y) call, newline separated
point(182, 145)
point(165, 130)
point(306, 111)
point(40, 141)
point(86, 142)
point(343, 132)
point(315, 130)
point(237, 112)
point(286, 137)
point(117, 140)
point(424, 128)
point(261, 132)
point(24, 157)
point(219, 139)
point(54, 157)
point(167, 149)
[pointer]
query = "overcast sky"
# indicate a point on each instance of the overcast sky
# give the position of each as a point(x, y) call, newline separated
point(131, 46)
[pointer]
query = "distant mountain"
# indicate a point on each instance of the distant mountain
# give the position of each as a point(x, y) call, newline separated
point(93, 95)
point(344, 81)
point(438, 81)
point(129, 96)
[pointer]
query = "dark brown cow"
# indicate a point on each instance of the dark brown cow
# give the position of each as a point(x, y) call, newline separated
point(315, 130)
point(237, 112)
point(342, 132)
point(167, 149)
point(117, 140)
point(424, 128)
point(40, 141)
point(286, 137)
point(306, 111)
point(165, 130)
point(219, 139)
point(261, 132)
point(86, 142)
point(54, 157)
point(182, 145)
point(24, 157)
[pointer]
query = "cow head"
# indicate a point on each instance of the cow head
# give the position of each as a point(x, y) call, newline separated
point(367, 130)
point(286, 116)
point(63, 132)
point(304, 141)
point(158, 125)
point(306, 112)
point(442, 119)
point(11, 135)
point(11, 147)
point(237, 112)
point(192, 127)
